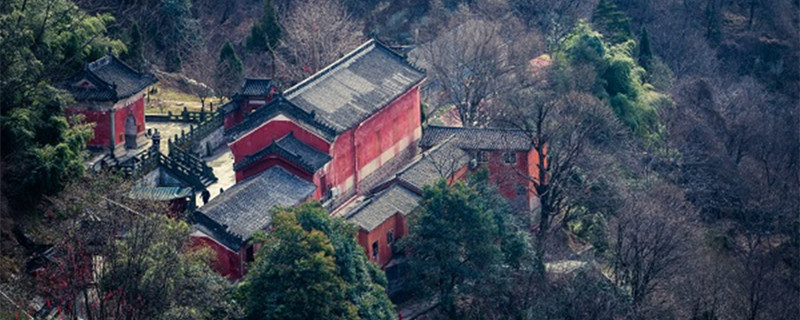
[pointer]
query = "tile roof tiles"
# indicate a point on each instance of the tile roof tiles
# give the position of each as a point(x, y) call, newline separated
point(233, 216)
point(356, 86)
point(442, 161)
point(256, 87)
point(381, 206)
point(292, 149)
point(477, 138)
point(111, 80)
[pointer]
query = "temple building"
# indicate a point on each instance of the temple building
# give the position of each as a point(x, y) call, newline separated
point(349, 136)
point(111, 95)
point(329, 138)
point(449, 153)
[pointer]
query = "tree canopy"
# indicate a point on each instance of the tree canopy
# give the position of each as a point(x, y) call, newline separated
point(266, 33)
point(462, 249)
point(310, 267)
point(42, 43)
point(619, 79)
point(230, 71)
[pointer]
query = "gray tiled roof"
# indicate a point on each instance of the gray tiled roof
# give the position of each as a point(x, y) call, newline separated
point(383, 205)
point(294, 150)
point(279, 105)
point(477, 138)
point(159, 193)
point(256, 87)
point(234, 215)
point(442, 161)
point(112, 79)
point(313, 158)
point(353, 88)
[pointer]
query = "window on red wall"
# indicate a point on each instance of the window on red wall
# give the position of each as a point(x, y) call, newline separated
point(390, 237)
point(482, 156)
point(375, 250)
point(249, 256)
point(510, 157)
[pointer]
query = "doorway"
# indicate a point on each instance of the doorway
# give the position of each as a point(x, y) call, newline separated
point(130, 132)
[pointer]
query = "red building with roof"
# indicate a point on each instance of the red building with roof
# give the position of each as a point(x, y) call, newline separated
point(341, 131)
point(349, 137)
point(110, 94)
point(449, 153)
point(253, 94)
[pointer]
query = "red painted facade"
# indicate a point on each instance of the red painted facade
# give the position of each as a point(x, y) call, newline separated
point(102, 126)
point(227, 263)
point(355, 153)
point(396, 225)
point(136, 110)
point(245, 106)
point(509, 176)
point(272, 130)
point(101, 118)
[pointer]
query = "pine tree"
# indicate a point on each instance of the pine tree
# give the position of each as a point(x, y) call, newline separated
point(265, 34)
point(135, 55)
point(645, 53)
point(229, 71)
point(612, 22)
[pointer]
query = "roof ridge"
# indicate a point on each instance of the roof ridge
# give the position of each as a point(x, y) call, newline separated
point(475, 128)
point(424, 155)
point(324, 71)
point(399, 56)
point(250, 122)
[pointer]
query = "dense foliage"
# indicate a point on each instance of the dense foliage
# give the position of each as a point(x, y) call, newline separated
point(42, 43)
point(464, 248)
point(265, 34)
point(619, 79)
point(118, 258)
point(310, 266)
point(229, 74)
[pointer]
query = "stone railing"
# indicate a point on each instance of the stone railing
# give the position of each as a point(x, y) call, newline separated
point(182, 165)
point(185, 116)
point(204, 128)
point(189, 166)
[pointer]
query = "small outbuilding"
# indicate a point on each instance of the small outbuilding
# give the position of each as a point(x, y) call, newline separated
point(111, 95)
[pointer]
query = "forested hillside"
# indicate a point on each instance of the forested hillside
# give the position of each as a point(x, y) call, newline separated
point(669, 135)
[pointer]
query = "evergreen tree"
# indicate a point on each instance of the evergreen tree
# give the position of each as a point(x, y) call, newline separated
point(461, 250)
point(135, 55)
point(175, 31)
point(311, 267)
point(229, 71)
point(43, 150)
point(645, 53)
point(149, 269)
point(612, 22)
point(265, 34)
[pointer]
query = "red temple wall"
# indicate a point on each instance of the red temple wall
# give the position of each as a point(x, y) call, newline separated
point(274, 129)
point(226, 262)
point(365, 239)
point(102, 127)
point(135, 107)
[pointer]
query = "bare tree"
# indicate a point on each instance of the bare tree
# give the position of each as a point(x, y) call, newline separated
point(317, 32)
point(563, 126)
point(649, 240)
point(474, 61)
point(739, 166)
